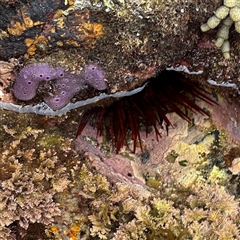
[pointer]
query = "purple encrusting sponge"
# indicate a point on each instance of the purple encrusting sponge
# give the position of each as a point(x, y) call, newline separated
point(67, 85)
point(71, 84)
point(94, 76)
point(27, 81)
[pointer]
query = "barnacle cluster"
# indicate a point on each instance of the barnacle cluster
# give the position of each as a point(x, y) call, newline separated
point(228, 13)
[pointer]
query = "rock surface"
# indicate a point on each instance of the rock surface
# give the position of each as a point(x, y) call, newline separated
point(79, 188)
point(131, 40)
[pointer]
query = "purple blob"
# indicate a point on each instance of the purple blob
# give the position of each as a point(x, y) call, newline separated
point(93, 75)
point(68, 86)
point(24, 90)
point(41, 72)
point(27, 81)
point(58, 72)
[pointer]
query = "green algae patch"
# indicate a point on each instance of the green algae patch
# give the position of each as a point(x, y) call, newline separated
point(50, 140)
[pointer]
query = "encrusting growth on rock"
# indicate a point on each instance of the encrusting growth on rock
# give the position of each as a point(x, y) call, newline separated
point(202, 211)
point(27, 81)
point(67, 85)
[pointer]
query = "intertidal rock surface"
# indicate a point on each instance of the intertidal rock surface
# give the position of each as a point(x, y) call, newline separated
point(55, 187)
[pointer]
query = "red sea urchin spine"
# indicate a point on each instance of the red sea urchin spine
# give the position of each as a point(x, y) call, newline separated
point(168, 92)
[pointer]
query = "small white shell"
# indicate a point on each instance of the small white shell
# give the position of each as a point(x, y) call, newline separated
point(222, 12)
point(213, 22)
point(230, 3)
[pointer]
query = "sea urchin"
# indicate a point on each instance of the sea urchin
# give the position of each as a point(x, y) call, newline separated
point(170, 91)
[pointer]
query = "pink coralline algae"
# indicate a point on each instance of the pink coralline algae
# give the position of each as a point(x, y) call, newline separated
point(67, 85)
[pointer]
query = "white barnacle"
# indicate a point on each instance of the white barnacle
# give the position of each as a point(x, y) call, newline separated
point(225, 16)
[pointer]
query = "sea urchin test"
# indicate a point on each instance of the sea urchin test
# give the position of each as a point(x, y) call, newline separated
point(67, 85)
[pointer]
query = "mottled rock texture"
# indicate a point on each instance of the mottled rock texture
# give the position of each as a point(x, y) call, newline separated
point(130, 40)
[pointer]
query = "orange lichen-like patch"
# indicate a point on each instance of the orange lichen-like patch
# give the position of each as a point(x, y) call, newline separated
point(28, 22)
point(92, 30)
point(58, 14)
point(37, 23)
point(84, 30)
point(60, 23)
point(54, 27)
point(54, 229)
point(70, 3)
point(29, 41)
point(72, 42)
point(73, 232)
point(16, 28)
point(32, 44)
point(31, 51)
